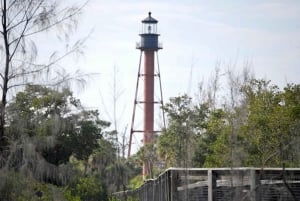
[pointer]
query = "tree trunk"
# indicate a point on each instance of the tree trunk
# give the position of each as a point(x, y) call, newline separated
point(4, 77)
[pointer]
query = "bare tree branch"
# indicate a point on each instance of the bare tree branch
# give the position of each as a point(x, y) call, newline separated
point(19, 20)
point(77, 11)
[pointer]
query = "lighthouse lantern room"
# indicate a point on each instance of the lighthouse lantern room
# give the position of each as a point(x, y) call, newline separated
point(149, 35)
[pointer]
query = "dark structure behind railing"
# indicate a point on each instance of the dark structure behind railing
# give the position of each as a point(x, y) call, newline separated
point(219, 184)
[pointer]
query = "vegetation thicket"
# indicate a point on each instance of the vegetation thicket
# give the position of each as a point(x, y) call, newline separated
point(258, 126)
point(247, 122)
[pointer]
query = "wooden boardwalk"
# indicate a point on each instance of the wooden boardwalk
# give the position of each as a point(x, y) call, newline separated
point(219, 184)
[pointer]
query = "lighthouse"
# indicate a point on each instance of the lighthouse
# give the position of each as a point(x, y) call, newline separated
point(148, 46)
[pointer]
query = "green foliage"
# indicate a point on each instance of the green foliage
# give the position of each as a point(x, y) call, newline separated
point(113, 199)
point(213, 142)
point(87, 188)
point(69, 197)
point(218, 153)
point(56, 141)
point(272, 116)
point(17, 187)
point(261, 129)
point(103, 156)
point(171, 143)
point(42, 112)
point(147, 155)
point(185, 122)
point(113, 170)
point(136, 182)
point(128, 199)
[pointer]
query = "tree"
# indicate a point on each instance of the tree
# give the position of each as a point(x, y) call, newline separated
point(291, 103)
point(17, 187)
point(262, 130)
point(88, 188)
point(185, 122)
point(147, 155)
point(55, 125)
point(215, 126)
point(270, 129)
point(20, 22)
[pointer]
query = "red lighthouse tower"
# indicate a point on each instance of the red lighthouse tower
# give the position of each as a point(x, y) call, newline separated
point(149, 47)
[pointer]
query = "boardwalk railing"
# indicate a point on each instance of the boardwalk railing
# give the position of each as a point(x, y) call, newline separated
point(219, 184)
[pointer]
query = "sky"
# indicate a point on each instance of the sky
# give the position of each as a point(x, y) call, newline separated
point(196, 35)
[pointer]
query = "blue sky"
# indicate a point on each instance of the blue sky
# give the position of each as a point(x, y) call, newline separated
point(196, 34)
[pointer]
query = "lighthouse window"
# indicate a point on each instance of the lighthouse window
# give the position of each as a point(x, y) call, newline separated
point(149, 29)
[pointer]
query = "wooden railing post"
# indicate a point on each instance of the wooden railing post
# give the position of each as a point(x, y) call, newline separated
point(212, 184)
point(253, 184)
